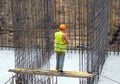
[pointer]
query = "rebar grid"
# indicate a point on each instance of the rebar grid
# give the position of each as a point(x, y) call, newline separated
point(6, 30)
point(35, 22)
point(97, 36)
point(32, 24)
point(115, 26)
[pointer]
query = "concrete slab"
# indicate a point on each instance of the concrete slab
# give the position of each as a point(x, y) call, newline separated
point(111, 70)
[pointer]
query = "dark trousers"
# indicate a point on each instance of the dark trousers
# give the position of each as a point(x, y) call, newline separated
point(60, 60)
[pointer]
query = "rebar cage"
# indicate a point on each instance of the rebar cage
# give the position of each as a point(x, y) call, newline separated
point(36, 21)
point(6, 29)
point(115, 26)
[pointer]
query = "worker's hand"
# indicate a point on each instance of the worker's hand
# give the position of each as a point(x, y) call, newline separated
point(65, 38)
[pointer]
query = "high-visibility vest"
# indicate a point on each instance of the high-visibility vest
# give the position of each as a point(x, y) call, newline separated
point(59, 45)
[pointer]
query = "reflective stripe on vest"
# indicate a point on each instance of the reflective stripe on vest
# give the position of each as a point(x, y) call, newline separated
point(59, 45)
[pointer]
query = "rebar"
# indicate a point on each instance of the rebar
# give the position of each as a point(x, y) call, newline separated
point(36, 21)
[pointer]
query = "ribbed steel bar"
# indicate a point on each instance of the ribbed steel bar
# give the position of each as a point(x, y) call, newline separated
point(6, 30)
point(32, 36)
point(97, 36)
point(114, 41)
point(36, 21)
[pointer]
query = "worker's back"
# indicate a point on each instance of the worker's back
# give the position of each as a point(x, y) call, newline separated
point(59, 45)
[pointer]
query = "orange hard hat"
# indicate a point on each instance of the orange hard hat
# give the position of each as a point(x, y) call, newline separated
point(62, 27)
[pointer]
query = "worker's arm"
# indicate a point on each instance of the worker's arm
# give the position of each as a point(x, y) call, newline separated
point(65, 38)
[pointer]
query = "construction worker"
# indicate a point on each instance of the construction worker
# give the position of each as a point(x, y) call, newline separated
point(115, 35)
point(60, 42)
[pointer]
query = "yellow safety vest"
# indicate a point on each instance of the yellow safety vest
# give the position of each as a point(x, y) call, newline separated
point(59, 45)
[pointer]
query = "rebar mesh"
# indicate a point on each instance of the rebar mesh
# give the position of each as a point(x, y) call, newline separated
point(6, 30)
point(32, 24)
point(97, 36)
point(115, 23)
point(35, 22)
